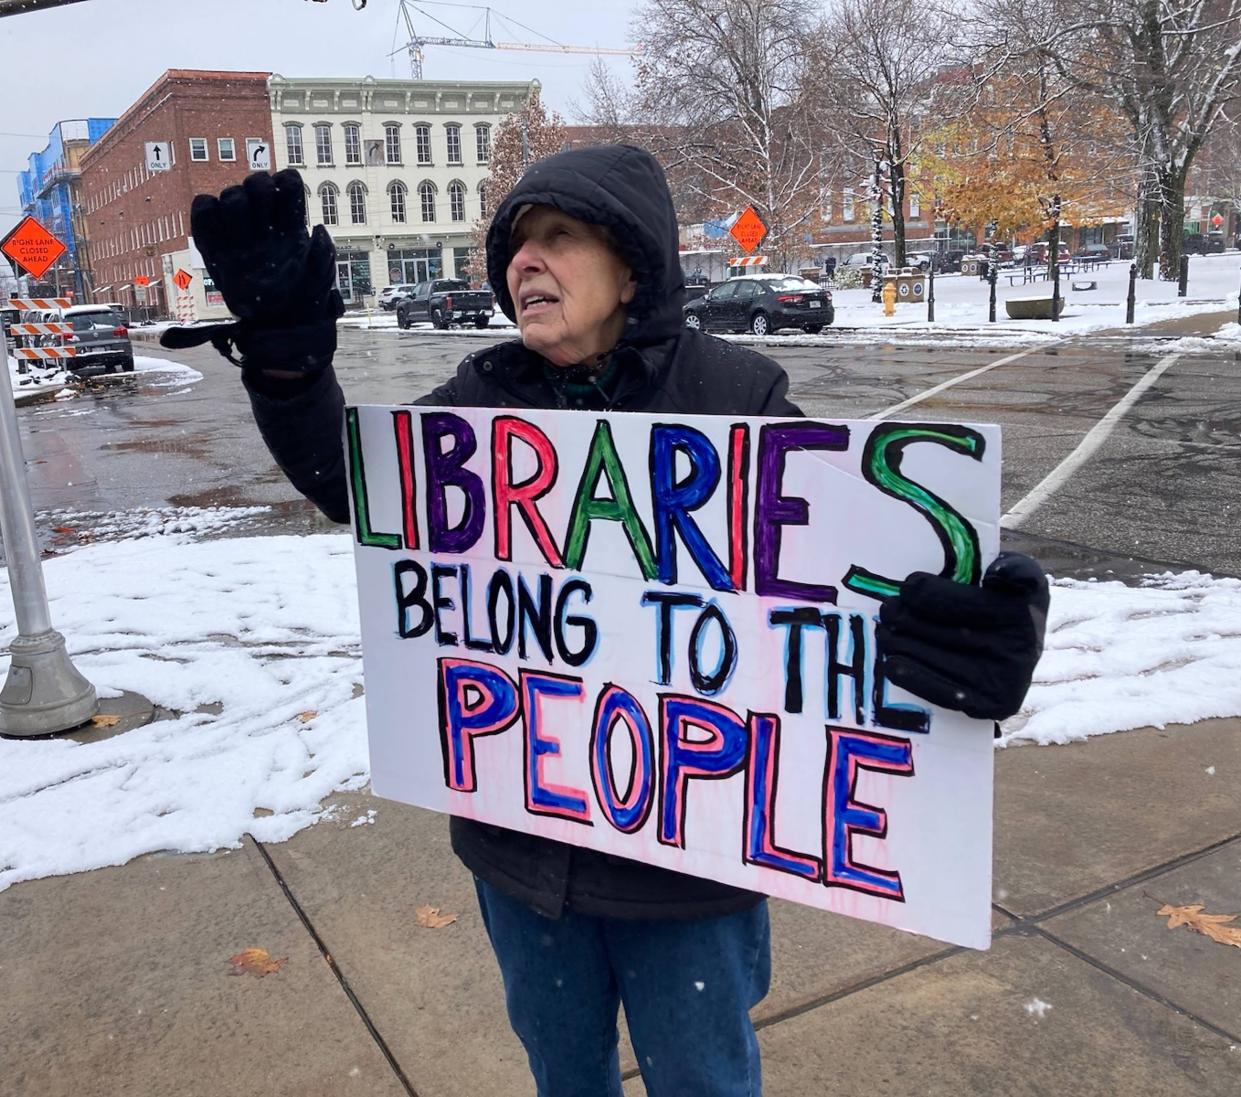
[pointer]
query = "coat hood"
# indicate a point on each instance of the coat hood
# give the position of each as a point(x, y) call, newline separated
point(623, 189)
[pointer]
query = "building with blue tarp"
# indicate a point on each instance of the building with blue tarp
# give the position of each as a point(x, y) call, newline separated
point(49, 192)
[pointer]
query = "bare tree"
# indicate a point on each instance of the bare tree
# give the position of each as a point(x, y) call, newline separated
point(520, 139)
point(723, 82)
point(1171, 67)
point(883, 77)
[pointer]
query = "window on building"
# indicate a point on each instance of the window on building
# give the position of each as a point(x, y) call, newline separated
point(456, 200)
point(392, 143)
point(482, 143)
point(357, 203)
point(198, 148)
point(328, 195)
point(825, 204)
point(426, 196)
point(846, 203)
point(915, 206)
point(453, 133)
point(397, 193)
point(226, 148)
point(323, 143)
point(353, 143)
point(293, 143)
point(482, 199)
point(422, 138)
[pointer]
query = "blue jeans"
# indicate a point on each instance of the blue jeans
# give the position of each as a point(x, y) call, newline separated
point(687, 987)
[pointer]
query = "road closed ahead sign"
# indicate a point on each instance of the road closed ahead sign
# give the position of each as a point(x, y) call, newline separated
point(32, 247)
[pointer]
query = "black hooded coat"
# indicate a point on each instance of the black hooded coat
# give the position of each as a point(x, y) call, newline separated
point(659, 365)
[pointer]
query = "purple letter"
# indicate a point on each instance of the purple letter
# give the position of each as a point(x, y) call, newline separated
point(444, 469)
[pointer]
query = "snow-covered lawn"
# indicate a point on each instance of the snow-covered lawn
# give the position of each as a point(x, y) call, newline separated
point(254, 642)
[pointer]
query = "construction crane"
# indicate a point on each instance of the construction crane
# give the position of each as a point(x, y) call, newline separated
point(416, 42)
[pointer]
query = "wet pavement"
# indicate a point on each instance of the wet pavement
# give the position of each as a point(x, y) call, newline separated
point(1164, 490)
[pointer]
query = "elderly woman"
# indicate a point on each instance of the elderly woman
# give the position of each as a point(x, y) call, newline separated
point(583, 253)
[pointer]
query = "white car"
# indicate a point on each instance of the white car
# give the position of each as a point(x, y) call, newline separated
point(390, 295)
point(920, 260)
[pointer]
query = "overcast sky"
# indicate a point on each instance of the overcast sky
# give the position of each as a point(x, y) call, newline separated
point(95, 58)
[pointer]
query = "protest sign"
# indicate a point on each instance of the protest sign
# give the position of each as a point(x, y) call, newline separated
point(655, 638)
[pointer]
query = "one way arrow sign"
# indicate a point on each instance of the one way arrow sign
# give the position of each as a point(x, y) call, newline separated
point(159, 156)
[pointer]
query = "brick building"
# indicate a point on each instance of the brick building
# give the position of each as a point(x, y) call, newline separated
point(210, 126)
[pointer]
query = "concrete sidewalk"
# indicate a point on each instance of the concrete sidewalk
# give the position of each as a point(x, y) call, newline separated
point(118, 982)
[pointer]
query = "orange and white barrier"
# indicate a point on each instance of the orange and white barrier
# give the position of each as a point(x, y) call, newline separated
point(34, 353)
point(39, 302)
point(40, 329)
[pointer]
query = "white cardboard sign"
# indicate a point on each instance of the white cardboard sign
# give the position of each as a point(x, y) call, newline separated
point(654, 636)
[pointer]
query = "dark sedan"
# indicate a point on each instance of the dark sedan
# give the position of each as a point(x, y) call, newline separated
point(762, 304)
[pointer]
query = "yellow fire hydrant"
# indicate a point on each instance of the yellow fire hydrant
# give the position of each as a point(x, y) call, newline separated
point(889, 298)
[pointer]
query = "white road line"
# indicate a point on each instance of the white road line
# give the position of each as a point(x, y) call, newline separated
point(936, 389)
point(1086, 448)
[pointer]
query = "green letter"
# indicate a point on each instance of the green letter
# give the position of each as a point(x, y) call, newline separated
point(881, 466)
point(603, 459)
point(357, 478)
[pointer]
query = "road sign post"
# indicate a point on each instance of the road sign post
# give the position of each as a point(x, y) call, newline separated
point(43, 693)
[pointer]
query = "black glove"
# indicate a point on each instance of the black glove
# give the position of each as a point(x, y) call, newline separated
point(963, 647)
point(277, 279)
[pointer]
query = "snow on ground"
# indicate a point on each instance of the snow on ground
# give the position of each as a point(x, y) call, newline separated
point(84, 527)
point(161, 372)
point(253, 643)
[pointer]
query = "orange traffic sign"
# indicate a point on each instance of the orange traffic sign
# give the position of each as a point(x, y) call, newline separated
point(141, 280)
point(748, 230)
point(183, 278)
point(32, 247)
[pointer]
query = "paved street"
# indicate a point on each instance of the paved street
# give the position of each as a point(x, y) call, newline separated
point(1161, 490)
point(118, 980)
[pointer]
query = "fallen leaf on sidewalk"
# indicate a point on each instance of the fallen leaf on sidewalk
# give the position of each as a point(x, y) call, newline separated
point(307, 716)
point(1214, 926)
point(255, 961)
point(105, 721)
point(432, 918)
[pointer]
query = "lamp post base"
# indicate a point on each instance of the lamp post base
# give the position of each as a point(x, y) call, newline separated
point(43, 693)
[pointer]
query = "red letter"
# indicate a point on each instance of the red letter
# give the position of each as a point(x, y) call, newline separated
point(506, 494)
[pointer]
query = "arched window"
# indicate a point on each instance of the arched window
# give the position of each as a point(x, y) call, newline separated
point(353, 143)
point(328, 199)
point(392, 142)
point(397, 193)
point(357, 203)
point(453, 133)
point(482, 142)
point(426, 195)
point(456, 200)
point(482, 199)
point(323, 143)
point(422, 139)
point(293, 143)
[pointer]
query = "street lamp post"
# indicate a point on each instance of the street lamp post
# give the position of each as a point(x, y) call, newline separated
point(43, 692)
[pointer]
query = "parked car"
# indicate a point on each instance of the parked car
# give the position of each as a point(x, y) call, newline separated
point(445, 301)
point(390, 295)
point(99, 339)
point(1125, 243)
point(946, 262)
point(995, 252)
point(1039, 252)
point(861, 259)
point(762, 303)
point(1199, 243)
point(919, 260)
point(1094, 251)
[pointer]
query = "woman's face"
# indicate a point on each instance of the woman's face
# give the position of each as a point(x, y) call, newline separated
point(569, 289)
